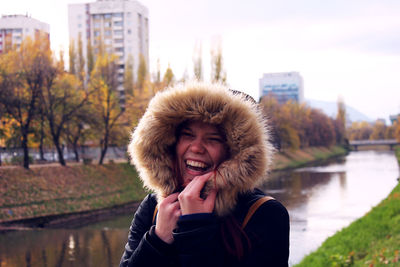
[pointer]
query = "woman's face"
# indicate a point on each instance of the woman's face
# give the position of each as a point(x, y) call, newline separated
point(200, 149)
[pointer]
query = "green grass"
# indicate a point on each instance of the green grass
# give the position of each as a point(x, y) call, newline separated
point(397, 152)
point(373, 240)
point(57, 190)
point(308, 156)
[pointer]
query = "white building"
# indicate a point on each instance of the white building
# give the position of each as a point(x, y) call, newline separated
point(15, 28)
point(121, 25)
point(283, 85)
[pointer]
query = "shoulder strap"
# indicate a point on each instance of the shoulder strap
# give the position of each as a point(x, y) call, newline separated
point(155, 213)
point(253, 209)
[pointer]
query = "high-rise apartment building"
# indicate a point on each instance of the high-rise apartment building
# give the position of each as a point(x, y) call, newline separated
point(283, 86)
point(122, 26)
point(15, 28)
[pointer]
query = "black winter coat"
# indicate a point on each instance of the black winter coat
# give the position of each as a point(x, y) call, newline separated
point(198, 238)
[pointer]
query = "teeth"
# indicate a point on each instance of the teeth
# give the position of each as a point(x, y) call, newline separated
point(196, 164)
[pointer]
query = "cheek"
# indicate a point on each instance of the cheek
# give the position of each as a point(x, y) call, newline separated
point(180, 149)
point(219, 154)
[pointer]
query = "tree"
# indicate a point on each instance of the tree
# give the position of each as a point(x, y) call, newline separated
point(78, 129)
point(340, 122)
point(81, 62)
point(141, 72)
point(397, 129)
point(23, 73)
point(359, 131)
point(105, 100)
point(218, 73)
point(378, 131)
point(198, 63)
point(72, 58)
point(62, 98)
point(128, 76)
point(168, 77)
point(90, 58)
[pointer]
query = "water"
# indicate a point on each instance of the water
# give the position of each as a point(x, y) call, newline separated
point(320, 200)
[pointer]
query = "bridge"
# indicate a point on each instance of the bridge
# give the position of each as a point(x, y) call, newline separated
point(390, 142)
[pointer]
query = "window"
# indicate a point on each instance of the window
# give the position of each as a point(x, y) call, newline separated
point(107, 33)
point(96, 16)
point(107, 24)
point(118, 32)
point(118, 15)
point(79, 25)
point(118, 23)
point(129, 31)
point(96, 33)
point(107, 16)
point(118, 41)
point(96, 25)
point(119, 49)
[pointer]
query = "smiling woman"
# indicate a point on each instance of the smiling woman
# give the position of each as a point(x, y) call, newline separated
point(203, 149)
point(200, 149)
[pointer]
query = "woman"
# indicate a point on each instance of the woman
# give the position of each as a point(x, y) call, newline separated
point(202, 149)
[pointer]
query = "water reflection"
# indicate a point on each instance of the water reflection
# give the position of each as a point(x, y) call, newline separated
point(62, 248)
point(320, 200)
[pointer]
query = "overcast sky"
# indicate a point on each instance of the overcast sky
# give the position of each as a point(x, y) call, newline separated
point(341, 48)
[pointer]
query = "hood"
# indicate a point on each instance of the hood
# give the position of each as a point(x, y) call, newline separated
point(153, 141)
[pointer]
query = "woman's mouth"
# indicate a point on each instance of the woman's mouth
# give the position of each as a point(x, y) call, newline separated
point(197, 165)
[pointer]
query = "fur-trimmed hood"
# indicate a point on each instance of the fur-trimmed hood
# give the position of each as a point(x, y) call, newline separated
point(153, 141)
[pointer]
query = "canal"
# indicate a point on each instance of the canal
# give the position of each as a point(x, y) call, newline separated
point(321, 200)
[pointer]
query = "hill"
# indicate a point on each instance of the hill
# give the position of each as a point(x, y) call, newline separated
point(330, 109)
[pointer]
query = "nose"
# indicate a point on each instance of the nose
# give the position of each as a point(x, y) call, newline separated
point(197, 146)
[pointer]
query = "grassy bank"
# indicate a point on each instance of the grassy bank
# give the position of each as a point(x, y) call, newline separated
point(57, 190)
point(373, 240)
point(297, 158)
point(54, 190)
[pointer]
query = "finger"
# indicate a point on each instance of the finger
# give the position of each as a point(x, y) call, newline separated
point(195, 186)
point(172, 198)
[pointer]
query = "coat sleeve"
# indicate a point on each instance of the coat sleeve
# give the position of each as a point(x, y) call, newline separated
point(144, 248)
point(196, 240)
point(269, 231)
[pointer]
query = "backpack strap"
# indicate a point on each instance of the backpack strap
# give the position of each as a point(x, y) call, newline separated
point(155, 213)
point(253, 209)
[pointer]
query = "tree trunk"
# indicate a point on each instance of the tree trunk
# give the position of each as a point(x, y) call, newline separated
point(103, 153)
point(25, 148)
point(104, 147)
point(59, 152)
point(41, 140)
point(76, 152)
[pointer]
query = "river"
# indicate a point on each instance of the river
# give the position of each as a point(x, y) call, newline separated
point(320, 200)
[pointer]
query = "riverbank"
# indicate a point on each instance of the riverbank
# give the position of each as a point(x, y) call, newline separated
point(49, 196)
point(44, 192)
point(373, 240)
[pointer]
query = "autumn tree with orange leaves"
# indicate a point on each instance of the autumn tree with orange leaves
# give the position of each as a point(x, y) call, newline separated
point(24, 71)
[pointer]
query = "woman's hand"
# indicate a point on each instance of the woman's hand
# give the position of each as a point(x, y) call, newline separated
point(168, 214)
point(190, 200)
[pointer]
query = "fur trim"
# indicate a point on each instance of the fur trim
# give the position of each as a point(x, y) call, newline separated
point(152, 144)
